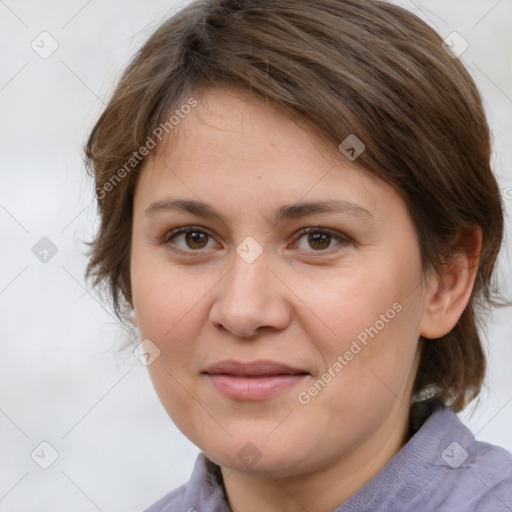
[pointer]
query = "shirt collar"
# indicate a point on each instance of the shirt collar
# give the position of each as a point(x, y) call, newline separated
point(410, 471)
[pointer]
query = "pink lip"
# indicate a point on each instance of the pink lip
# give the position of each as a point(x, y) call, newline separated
point(257, 380)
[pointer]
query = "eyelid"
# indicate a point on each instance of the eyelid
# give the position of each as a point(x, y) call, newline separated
point(341, 237)
point(183, 229)
point(166, 238)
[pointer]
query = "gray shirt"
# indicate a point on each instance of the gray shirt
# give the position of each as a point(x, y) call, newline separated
point(441, 468)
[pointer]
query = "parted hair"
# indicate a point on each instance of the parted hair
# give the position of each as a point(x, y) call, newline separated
point(343, 67)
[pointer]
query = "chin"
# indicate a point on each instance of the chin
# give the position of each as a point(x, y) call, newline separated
point(252, 457)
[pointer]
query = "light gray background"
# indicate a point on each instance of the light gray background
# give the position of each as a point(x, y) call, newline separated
point(61, 381)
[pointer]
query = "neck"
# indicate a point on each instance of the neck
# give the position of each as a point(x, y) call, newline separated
point(325, 489)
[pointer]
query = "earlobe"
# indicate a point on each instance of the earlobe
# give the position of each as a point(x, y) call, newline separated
point(133, 318)
point(451, 289)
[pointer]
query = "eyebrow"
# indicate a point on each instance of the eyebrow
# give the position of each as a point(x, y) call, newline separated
point(291, 211)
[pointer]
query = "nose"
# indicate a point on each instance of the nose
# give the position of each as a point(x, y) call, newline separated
point(250, 299)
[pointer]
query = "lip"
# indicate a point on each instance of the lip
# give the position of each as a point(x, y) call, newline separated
point(256, 380)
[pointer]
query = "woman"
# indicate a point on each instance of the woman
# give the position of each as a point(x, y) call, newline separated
point(298, 214)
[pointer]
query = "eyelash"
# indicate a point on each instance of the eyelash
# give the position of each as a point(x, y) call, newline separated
point(342, 239)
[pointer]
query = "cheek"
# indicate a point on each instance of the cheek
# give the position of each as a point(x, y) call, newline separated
point(371, 321)
point(168, 305)
point(351, 302)
point(164, 297)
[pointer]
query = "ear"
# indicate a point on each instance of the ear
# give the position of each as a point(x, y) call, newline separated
point(133, 318)
point(450, 291)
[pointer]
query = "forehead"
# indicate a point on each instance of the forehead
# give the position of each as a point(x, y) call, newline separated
point(232, 123)
point(234, 148)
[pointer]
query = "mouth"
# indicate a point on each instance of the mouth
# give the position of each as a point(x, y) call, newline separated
point(257, 380)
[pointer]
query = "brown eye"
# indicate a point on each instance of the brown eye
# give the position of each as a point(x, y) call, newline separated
point(319, 241)
point(196, 239)
point(189, 239)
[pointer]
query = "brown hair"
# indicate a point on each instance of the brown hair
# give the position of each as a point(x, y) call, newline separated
point(345, 67)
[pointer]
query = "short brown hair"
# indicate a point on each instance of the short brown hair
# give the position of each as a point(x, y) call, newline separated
point(345, 67)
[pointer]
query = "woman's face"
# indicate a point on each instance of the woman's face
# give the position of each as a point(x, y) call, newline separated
point(333, 315)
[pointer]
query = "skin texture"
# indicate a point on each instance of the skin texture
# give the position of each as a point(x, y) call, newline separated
point(298, 303)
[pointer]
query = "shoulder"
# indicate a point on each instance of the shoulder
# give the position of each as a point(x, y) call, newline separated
point(441, 468)
point(171, 502)
point(477, 474)
point(203, 492)
point(489, 473)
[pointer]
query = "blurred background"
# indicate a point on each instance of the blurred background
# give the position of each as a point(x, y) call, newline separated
point(80, 426)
